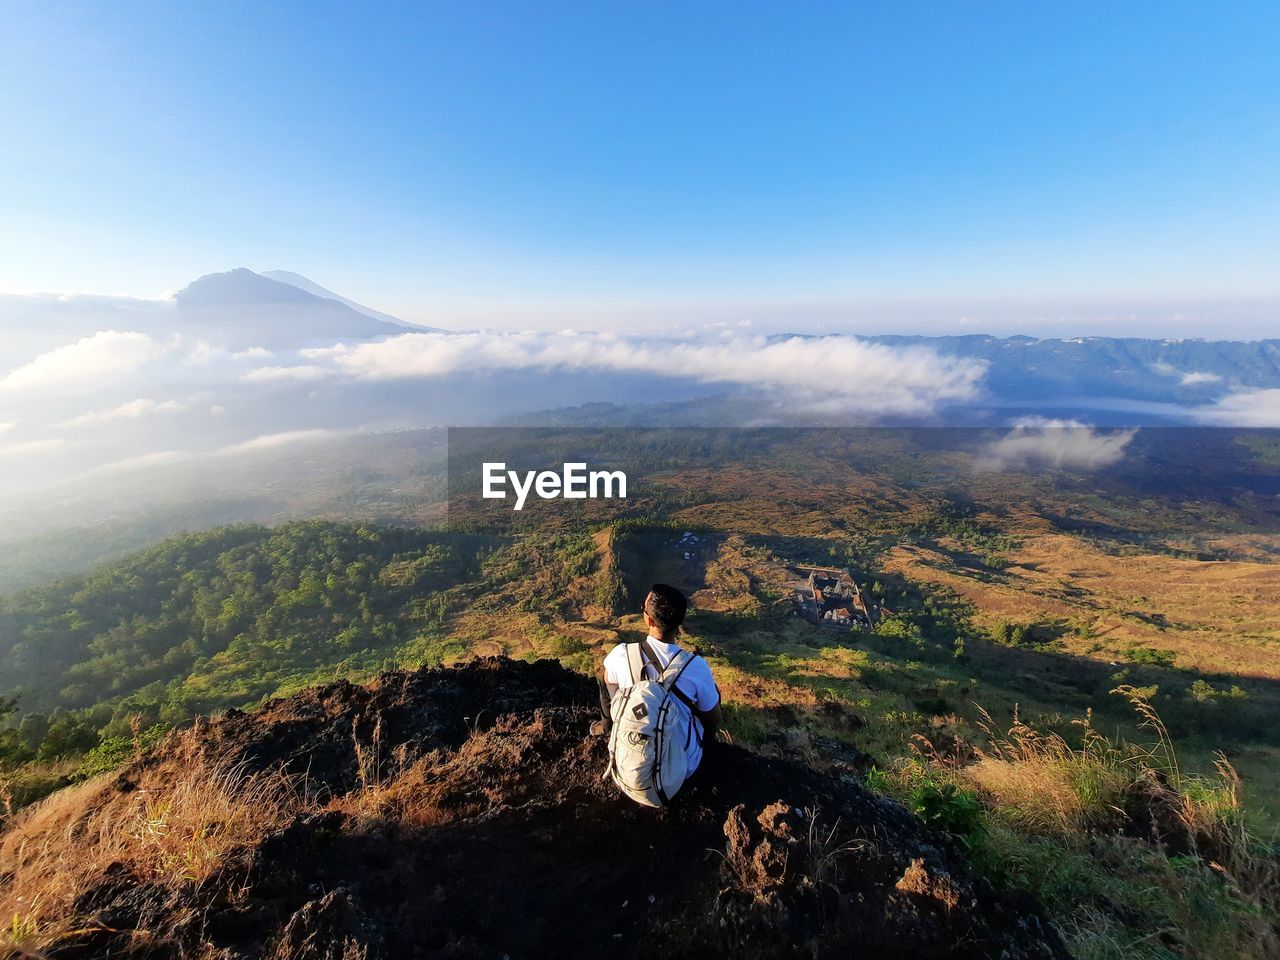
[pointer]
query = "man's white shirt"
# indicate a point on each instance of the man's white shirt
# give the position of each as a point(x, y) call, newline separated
point(696, 683)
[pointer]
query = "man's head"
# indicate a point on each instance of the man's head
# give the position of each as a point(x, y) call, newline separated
point(664, 609)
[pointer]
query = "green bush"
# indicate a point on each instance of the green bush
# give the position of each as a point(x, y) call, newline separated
point(947, 808)
point(1151, 656)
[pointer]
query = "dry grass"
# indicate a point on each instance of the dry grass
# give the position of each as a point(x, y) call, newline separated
point(489, 767)
point(1044, 784)
point(174, 830)
point(729, 577)
point(1223, 615)
point(1209, 808)
point(1040, 791)
point(189, 814)
point(183, 831)
point(1204, 880)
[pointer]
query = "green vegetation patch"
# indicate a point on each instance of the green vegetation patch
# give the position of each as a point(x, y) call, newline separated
point(219, 619)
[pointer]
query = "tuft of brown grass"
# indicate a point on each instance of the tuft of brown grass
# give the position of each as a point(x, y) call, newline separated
point(184, 830)
point(1044, 784)
point(488, 768)
point(1209, 809)
point(1130, 823)
point(175, 829)
point(184, 817)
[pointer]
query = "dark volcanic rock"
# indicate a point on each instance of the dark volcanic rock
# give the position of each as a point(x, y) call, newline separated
point(494, 835)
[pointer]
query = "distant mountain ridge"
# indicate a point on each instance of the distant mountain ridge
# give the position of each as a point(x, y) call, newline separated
point(1160, 367)
point(310, 286)
point(1023, 369)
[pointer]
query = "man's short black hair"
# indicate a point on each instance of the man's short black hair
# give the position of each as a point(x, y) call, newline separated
point(666, 606)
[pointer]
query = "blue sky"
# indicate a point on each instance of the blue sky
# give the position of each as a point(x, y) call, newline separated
point(508, 158)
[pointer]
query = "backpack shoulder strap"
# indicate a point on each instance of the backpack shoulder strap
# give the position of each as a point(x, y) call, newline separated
point(674, 669)
point(635, 662)
point(652, 657)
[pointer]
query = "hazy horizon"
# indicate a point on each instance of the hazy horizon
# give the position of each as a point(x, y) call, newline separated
point(1245, 318)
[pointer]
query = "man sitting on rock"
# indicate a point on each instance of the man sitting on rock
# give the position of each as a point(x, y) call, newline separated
point(660, 659)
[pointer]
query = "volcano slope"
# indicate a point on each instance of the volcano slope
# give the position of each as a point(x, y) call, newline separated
point(461, 813)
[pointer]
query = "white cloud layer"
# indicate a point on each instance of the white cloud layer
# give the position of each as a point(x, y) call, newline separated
point(83, 365)
point(1245, 408)
point(28, 447)
point(1038, 443)
point(156, 459)
point(253, 353)
point(132, 410)
point(301, 373)
point(1195, 378)
point(271, 441)
point(842, 373)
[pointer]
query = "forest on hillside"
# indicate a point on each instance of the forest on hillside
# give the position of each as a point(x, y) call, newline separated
point(217, 619)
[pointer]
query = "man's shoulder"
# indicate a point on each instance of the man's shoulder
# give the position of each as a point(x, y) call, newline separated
point(698, 663)
point(617, 655)
point(698, 672)
point(700, 683)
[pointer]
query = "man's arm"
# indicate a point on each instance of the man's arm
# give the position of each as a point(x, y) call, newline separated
point(710, 719)
point(606, 676)
point(607, 690)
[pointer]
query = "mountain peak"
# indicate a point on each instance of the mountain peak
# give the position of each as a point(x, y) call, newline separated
point(241, 308)
point(240, 285)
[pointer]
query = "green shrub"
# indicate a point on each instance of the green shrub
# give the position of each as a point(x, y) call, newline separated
point(115, 751)
point(1151, 656)
point(947, 808)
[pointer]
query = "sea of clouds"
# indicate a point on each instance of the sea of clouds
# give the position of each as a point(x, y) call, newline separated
point(73, 404)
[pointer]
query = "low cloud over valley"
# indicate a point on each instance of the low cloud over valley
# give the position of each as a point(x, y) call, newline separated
point(241, 362)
